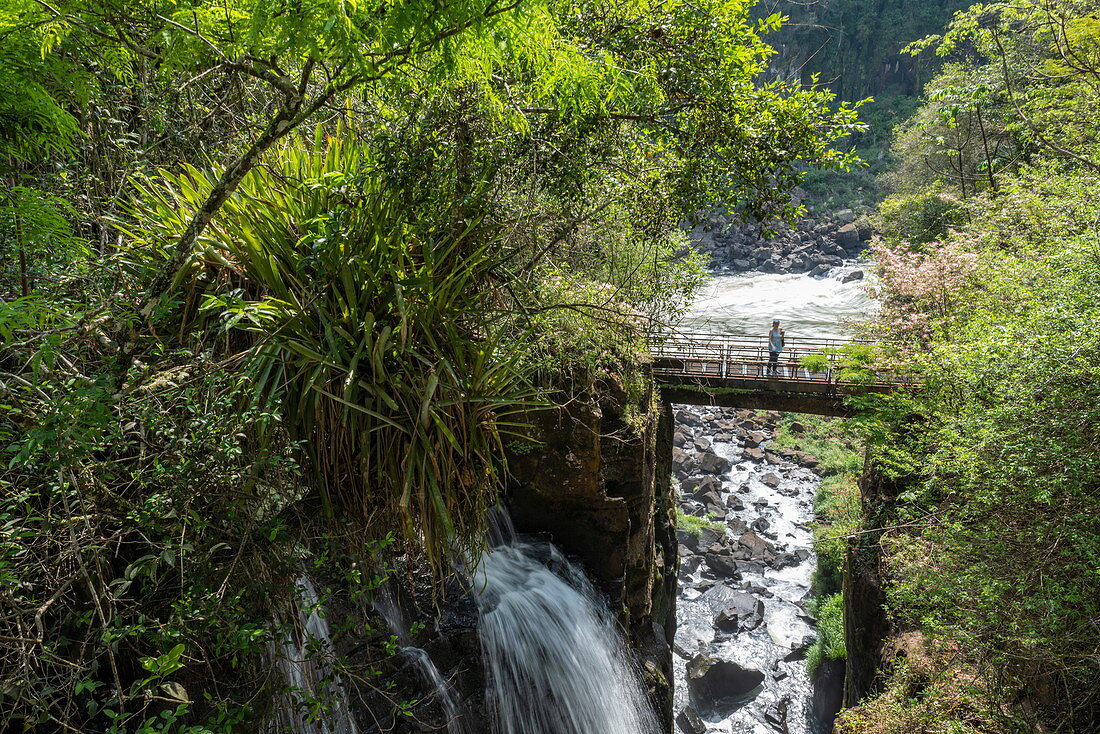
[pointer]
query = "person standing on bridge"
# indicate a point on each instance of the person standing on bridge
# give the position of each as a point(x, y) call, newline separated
point(775, 346)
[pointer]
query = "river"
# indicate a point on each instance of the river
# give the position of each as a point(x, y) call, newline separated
point(810, 308)
point(743, 590)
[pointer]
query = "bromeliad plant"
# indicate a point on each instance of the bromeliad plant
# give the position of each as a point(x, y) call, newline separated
point(373, 328)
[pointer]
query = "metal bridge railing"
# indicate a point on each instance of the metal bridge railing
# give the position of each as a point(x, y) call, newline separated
point(737, 357)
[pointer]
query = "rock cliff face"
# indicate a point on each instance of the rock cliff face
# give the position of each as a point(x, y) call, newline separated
point(866, 626)
point(600, 490)
point(855, 46)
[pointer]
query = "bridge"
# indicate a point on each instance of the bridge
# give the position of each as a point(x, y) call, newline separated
point(733, 371)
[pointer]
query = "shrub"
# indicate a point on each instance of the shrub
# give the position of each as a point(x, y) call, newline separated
point(919, 218)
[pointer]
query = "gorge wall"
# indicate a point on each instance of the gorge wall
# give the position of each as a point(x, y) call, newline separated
point(598, 486)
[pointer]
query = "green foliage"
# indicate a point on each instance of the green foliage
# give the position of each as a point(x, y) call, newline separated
point(918, 219)
point(374, 335)
point(999, 555)
point(287, 353)
point(149, 542)
point(34, 123)
point(695, 524)
point(829, 644)
point(816, 362)
point(37, 245)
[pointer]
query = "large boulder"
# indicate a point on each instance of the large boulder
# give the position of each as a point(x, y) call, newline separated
point(712, 463)
point(722, 566)
point(710, 497)
point(745, 612)
point(688, 418)
point(848, 237)
point(699, 484)
point(854, 275)
point(753, 548)
point(721, 686)
point(752, 439)
point(705, 538)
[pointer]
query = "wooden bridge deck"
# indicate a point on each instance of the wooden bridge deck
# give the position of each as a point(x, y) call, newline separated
point(734, 371)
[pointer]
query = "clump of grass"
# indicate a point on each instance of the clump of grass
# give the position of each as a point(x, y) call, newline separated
point(837, 504)
point(829, 644)
point(695, 525)
point(826, 438)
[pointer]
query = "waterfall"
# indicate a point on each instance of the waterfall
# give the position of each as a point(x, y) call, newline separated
point(555, 662)
point(386, 605)
point(302, 657)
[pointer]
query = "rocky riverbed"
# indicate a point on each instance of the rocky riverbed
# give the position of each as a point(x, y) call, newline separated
point(742, 627)
point(811, 245)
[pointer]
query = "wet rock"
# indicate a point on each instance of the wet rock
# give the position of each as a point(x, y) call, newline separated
point(708, 497)
point(737, 525)
point(701, 484)
point(679, 438)
point(749, 567)
point(758, 591)
point(776, 715)
point(854, 275)
point(745, 612)
point(690, 564)
point(799, 650)
point(734, 503)
point(723, 565)
point(760, 524)
point(757, 547)
point(716, 512)
point(711, 463)
point(687, 418)
point(681, 459)
point(784, 560)
point(702, 444)
point(704, 538)
point(720, 686)
point(723, 437)
point(753, 439)
point(690, 723)
point(755, 454)
point(771, 479)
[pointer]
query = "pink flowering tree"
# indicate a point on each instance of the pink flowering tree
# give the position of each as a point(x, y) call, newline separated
point(922, 291)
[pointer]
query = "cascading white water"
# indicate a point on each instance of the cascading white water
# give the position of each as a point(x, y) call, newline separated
point(303, 658)
point(555, 662)
point(809, 307)
point(444, 693)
